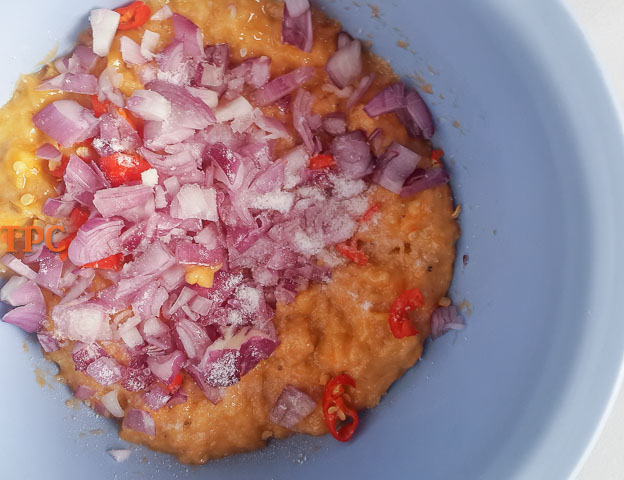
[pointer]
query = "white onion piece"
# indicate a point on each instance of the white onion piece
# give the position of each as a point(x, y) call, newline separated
point(209, 97)
point(149, 105)
point(149, 42)
point(164, 13)
point(120, 455)
point(131, 51)
point(154, 327)
point(150, 178)
point(66, 121)
point(132, 337)
point(192, 201)
point(239, 107)
point(104, 24)
point(297, 7)
point(111, 403)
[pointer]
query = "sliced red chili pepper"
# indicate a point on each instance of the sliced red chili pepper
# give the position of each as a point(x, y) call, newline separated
point(437, 154)
point(175, 383)
point(120, 168)
point(350, 251)
point(334, 405)
point(368, 214)
point(133, 15)
point(64, 244)
point(99, 108)
point(59, 171)
point(400, 323)
point(321, 161)
point(109, 263)
point(78, 217)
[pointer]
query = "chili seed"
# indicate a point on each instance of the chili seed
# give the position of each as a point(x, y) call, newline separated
point(27, 199)
point(444, 302)
point(341, 415)
point(332, 410)
point(456, 212)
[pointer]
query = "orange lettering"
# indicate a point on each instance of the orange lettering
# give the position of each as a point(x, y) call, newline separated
point(28, 241)
point(10, 231)
point(48, 238)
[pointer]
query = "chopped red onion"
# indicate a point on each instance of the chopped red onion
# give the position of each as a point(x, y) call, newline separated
point(66, 121)
point(83, 392)
point(297, 7)
point(359, 91)
point(390, 99)
point(297, 30)
point(119, 200)
point(255, 71)
point(445, 319)
point(156, 398)
point(48, 152)
point(291, 407)
point(111, 402)
point(83, 60)
point(416, 116)
point(192, 201)
point(192, 337)
point(166, 367)
point(178, 398)
point(239, 107)
point(335, 124)
point(164, 13)
point(136, 379)
point(186, 110)
point(190, 34)
point(98, 238)
point(171, 59)
point(71, 82)
point(58, 207)
point(352, 154)
point(48, 343)
point(27, 317)
point(120, 454)
point(409, 107)
point(85, 322)
point(139, 421)
point(344, 39)
point(84, 355)
point(81, 181)
point(395, 167)
point(281, 86)
point(105, 371)
point(149, 42)
point(131, 51)
point(301, 118)
point(104, 25)
point(423, 179)
point(345, 65)
point(149, 105)
point(12, 288)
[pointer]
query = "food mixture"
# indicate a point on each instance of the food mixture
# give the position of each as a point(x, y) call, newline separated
point(257, 233)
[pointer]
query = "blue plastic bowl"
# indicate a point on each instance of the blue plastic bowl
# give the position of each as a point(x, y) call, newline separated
point(535, 149)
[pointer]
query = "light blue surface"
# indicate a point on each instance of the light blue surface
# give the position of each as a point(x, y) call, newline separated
point(538, 158)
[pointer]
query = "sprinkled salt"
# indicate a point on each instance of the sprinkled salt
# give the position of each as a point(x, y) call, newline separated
point(150, 177)
point(366, 305)
point(279, 201)
point(306, 244)
point(243, 52)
